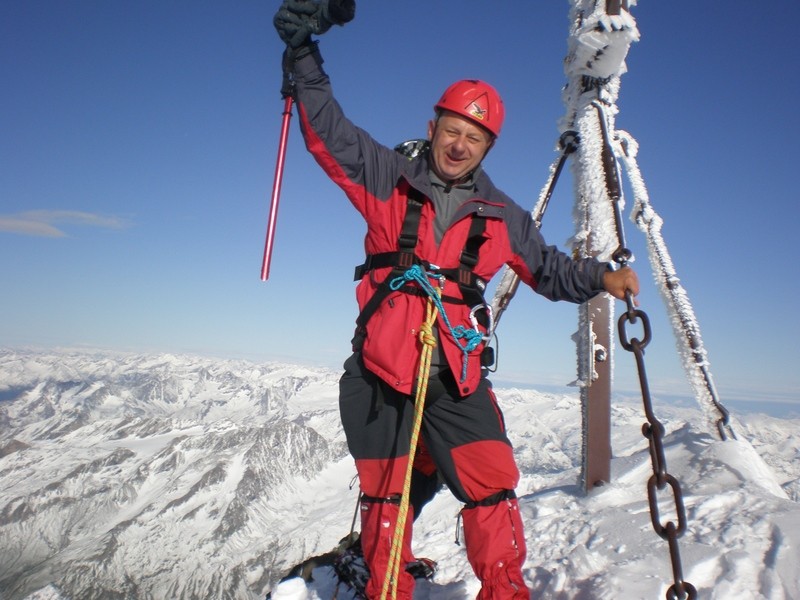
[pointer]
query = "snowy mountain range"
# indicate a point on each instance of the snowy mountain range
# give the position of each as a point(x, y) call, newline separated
point(164, 476)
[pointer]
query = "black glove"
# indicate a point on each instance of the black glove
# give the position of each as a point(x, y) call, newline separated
point(296, 20)
point(293, 21)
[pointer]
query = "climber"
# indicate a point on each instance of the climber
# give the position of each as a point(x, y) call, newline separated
point(438, 212)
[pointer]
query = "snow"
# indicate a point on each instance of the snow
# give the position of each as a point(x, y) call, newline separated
point(743, 529)
point(153, 489)
point(48, 593)
point(293, 589)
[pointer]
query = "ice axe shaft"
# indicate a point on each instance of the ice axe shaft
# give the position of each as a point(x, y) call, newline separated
point(276, 188)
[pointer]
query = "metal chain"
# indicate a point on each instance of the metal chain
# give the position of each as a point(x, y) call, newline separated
point(653, 430)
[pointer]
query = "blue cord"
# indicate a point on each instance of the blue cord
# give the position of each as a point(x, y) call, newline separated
point(472, 337)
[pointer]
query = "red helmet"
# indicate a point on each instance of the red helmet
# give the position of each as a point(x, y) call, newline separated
point(475, 100)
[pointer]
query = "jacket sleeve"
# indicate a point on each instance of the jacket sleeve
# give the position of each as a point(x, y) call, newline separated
point(548, 270)
point(363, 168)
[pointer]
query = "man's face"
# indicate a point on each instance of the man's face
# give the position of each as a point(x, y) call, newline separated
point(457, 145)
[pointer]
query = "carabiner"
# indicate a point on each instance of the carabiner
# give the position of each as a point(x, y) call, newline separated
point(474, 320)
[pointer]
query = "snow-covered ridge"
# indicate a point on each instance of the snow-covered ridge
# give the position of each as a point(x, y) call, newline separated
point(162, 476)
point(173, 467)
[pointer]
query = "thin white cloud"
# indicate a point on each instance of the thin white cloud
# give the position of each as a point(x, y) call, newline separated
point(48, 223)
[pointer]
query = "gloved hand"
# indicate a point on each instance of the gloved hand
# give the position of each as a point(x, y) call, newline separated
point(293, 21)
point(296, 20)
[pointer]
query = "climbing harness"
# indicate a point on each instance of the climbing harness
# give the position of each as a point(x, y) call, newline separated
point(408, 268)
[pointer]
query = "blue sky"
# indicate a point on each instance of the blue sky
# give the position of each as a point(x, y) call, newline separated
point(139, 140)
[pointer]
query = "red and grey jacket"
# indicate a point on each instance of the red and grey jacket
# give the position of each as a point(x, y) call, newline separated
point(379, 181)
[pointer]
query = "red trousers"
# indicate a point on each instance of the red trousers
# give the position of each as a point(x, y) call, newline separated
point(464, 444)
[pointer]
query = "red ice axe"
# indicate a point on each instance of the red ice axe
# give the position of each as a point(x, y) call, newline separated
point(328, 12)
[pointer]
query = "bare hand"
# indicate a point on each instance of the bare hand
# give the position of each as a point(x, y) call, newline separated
point(618, 283)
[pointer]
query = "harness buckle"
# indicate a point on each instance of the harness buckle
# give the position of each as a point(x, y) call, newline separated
point(405, 260)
